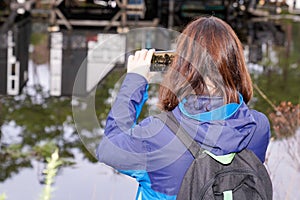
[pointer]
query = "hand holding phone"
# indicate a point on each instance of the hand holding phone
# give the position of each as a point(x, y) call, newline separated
point(140, 62)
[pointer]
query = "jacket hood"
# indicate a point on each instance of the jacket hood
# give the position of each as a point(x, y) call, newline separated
point(218, 128)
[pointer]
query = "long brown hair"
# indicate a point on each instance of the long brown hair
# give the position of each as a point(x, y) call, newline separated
point(208, 50)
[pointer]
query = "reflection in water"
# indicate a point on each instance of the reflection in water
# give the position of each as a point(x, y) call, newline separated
point(14, 43)
point(39, 119)
point(261, 33)
point(279, 64)
point(34, 125)
point(78, 52)
point(82, 58)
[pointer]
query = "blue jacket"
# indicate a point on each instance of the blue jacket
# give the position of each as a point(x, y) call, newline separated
point(149, 152)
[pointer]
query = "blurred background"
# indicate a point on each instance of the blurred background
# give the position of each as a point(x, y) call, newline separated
point(45, 44)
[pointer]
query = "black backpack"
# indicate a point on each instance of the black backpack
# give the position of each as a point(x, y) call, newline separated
point(243, 178)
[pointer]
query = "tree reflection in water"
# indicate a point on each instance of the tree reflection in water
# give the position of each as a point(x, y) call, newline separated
point(43, 124)
point(33, 125)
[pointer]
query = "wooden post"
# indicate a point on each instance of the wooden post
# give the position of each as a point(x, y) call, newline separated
point(114, 19)
point(171, 14)
point(124, 15)
point(52, 18)
point(63, 18)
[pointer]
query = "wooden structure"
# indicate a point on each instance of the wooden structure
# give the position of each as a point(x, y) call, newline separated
point(69, 15)
point(14, 44)
point(78, 61)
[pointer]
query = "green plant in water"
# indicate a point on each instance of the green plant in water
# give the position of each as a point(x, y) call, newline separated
point(52, 166)
point(3, 196)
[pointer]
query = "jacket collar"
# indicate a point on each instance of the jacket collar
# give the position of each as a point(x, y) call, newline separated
point(197, 108)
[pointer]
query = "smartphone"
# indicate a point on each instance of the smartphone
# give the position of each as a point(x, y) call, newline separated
point(161, 60)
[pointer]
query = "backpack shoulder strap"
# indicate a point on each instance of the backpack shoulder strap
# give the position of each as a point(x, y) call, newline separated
point(170, 120)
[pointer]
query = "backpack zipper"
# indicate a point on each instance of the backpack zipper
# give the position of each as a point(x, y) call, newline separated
point(223, 173)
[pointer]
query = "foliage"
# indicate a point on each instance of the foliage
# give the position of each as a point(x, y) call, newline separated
point(12, 161)
point(42, 125)
point(104, 91)
point(38, 38)
point(90, 127)
point(53, 163)
point(3, 196)
point(279, 80)
point(285, 119)
point(43, 121)
point(40, 54)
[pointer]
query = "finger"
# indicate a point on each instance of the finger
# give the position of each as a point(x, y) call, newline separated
point(143, 54)
point(130, 63)
point(137, 55)
point(149, 55)
point(130, 58)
